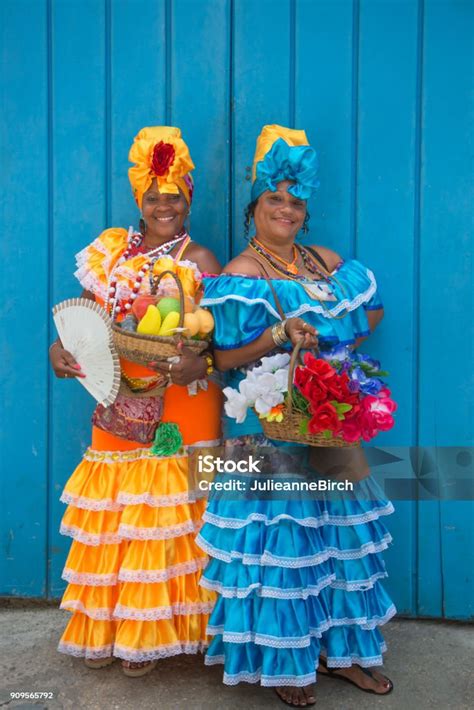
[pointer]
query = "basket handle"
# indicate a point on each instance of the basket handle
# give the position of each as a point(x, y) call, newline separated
point(295, 356)
point(154, 288)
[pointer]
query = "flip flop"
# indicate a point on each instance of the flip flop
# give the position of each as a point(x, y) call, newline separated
point(291, 705)
point(139, 672)
point(331, 672)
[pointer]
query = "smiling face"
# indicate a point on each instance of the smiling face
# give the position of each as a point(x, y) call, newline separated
point(279, 215)
point(164, 213)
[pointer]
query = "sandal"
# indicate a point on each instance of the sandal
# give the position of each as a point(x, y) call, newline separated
point(140, 671)
point(96, 663)
point(332, 673)
point(290, 704)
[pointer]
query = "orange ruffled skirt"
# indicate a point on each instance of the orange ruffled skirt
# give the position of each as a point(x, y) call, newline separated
point(133, 568)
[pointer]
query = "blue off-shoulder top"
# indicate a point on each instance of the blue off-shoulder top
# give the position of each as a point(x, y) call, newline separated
point(244, 306)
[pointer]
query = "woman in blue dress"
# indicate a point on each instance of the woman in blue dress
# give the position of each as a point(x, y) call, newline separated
point(298, 579)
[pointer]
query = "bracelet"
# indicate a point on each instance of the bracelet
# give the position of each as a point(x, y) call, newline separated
point(210, 364)
point(279, 333)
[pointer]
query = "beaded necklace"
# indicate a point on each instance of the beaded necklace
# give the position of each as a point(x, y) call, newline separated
point(312, 266)
point(291, 267)
point(135, 242)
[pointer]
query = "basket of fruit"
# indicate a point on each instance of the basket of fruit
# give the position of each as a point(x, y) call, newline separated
point(157, 324)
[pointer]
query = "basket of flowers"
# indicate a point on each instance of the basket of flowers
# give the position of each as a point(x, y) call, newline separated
point(332, 399)
point(156, 324)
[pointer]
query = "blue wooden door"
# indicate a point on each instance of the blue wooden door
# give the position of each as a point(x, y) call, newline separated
point(382, 88)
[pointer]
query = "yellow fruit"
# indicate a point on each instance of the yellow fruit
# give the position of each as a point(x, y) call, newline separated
point(206, 321)
point(169, 324)
point(191, 323)
point(151, 322)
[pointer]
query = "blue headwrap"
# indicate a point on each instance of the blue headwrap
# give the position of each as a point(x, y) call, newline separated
point(284, 162)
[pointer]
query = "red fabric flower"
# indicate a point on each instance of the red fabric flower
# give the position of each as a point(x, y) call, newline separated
point(163, 158)
point(316, 392)
point(351, 430)
point(319, 367)
point(302, 375)
point(338, 389)
point(324, 417)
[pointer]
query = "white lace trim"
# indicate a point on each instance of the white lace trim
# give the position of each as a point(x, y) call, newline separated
point(268, 559)
point(118, 457)
point(263, 591)
point(347, 662)
point(266, 680)
point(90, 503)
point(98, 614)
point(339, 520)
point(152, 654)
point(74, 649)
point(88, 579)
point(162, 612)
point(130, 532)
point(345, 304)
point(359, 585)
point(158, 501)
point(299, 641)
point(161, 575)
point(90, 538)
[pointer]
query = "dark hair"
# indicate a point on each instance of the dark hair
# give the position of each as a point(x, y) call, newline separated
point(250, 210)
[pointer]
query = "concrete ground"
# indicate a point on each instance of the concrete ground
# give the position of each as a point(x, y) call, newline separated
point(429, 662)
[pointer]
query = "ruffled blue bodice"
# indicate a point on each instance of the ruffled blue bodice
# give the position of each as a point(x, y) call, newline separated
point(243, 306)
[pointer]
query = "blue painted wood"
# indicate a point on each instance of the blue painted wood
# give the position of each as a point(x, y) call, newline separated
point(262, 90)
point(24, 276)
point(446, 383)
point(137, 90)
point(324, 107)
point(385, 231)
point(382, 89)
point(200, 107)
point(79, 213)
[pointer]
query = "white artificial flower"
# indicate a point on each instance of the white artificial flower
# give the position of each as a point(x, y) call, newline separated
point(275, 362)
point(265, 402)
point(236, 405)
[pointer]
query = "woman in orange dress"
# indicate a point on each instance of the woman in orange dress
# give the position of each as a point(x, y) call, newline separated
point(133, 568)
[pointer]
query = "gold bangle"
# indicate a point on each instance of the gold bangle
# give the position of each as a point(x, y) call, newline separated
point(279, 334)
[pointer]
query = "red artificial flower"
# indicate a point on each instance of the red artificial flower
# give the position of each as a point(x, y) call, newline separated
point(351, 430)
point(163, 158)
point(315, 392)
point(324, 417)
point(319, 367)
point(302, 375)
point(338, 389)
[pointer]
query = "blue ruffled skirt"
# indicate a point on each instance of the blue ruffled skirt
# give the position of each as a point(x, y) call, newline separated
point(296, 578)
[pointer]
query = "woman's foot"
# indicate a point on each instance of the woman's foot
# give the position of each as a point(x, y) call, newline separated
point(370, 681)
point(296, 697)
point(96, 663)
point(138, 669)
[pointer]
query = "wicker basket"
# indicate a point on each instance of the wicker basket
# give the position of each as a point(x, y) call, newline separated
point(143, 349)
point(290, 428)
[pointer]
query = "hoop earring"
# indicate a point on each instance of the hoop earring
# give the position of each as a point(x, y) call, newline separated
point(142, 225)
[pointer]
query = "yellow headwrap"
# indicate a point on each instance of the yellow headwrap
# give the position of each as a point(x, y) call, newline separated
point(269, 135)
point(160, 152)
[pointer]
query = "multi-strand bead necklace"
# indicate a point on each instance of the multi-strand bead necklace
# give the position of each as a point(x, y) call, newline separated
point(290, 269)
point(135, 242)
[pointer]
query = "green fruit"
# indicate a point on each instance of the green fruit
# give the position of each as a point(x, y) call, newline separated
point(167, 305)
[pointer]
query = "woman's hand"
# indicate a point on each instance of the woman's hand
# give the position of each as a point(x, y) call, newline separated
point(63, 362)
point(298, 330)
point(190, 367)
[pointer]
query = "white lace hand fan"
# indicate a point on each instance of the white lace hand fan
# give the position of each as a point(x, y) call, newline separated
point(85, 330)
